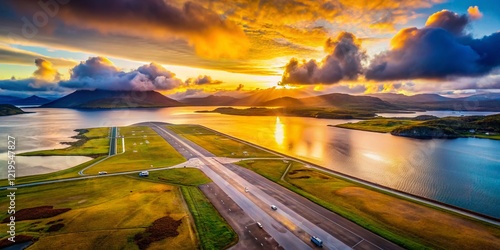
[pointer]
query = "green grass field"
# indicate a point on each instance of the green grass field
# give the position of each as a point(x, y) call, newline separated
point(271, 169)
point(409, 224)
point(106, 213)
point(95, 142)
point(177, 176)
point(143, 148)
point(212, 229)
point(218, 144)
point(380, 125)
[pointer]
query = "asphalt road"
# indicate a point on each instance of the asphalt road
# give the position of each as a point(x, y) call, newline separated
point(348, 232)
point(306, 218)
point(250, 236)
point(211, 168)
point(112, 141)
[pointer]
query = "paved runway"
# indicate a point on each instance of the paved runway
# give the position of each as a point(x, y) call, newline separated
point(296, 215)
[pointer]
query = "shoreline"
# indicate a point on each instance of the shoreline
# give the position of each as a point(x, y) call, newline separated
point(435, 204)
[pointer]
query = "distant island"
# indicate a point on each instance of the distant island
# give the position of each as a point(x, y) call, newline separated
point(428, 127)
point(8, 109)
point(325, 113)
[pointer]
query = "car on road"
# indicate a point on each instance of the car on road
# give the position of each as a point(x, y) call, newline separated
point(259, 224)
point(273, 207)
point(316, 241)
point(144, 174)
point(102, 173)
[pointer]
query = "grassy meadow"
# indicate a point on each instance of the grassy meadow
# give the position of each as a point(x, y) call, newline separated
point(380, 125)
point(106, 213)
point(90, 142)
point(213, 231)
point(143, 148)
point(218, 144)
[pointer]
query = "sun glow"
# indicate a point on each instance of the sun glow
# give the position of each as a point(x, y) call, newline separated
point(279, 131)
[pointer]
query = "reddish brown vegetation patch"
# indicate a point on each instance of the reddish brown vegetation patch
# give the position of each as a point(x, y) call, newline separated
point(19, 239)
point(55, 227)
point(54, 221)
point(37, 213)
point(159, 230)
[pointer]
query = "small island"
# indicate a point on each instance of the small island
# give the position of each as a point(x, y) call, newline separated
point(7, 109)
point(320, 112)
point(428, 127)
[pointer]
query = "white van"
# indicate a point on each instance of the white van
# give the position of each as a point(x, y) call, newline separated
point(144, 174)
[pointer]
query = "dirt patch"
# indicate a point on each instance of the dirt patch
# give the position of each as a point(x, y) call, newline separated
point(55, 227)
point(300, 177)
point(159, 230)
point(37, 213)
point(298, 171)
point(54, 221)
point(19, 239)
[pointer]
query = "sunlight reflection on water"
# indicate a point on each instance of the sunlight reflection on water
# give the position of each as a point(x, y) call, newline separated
point(463, 172)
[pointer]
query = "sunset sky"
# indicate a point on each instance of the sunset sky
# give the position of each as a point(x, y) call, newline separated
point(230, 47)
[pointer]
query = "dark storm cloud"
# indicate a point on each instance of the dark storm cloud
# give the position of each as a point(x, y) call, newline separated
point(342, 62)
point(203, 29)
point(101, 73)
point(439, 50)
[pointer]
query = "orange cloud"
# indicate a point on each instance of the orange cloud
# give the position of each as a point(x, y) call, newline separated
point(45, 70)
point(205, 30)
point(474, 12)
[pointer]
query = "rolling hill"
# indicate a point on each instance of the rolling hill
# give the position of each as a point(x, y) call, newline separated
point(346, 101)
point(480, 102)
point(283, 102)
point(32, 100)
point(210, 100)
point(7, 109)
point(112, 99)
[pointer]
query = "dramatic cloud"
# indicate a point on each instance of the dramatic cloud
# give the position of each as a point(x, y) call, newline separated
point(202, 80)
point(178, 31)
point(46, 70)
point(450, 21)
point(101, 73)
point(474, 12)
point(204, 29)
point(44, 79)
point(9, 55)
point(343, 62)
point(439, 50)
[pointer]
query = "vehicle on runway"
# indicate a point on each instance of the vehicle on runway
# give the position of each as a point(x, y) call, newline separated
point(273, 207)
point(259, 224)
point(102, 173)
point(144, 174)
point(316, 241)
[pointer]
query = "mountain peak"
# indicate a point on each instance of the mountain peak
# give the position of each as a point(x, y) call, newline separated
point(100, 98)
